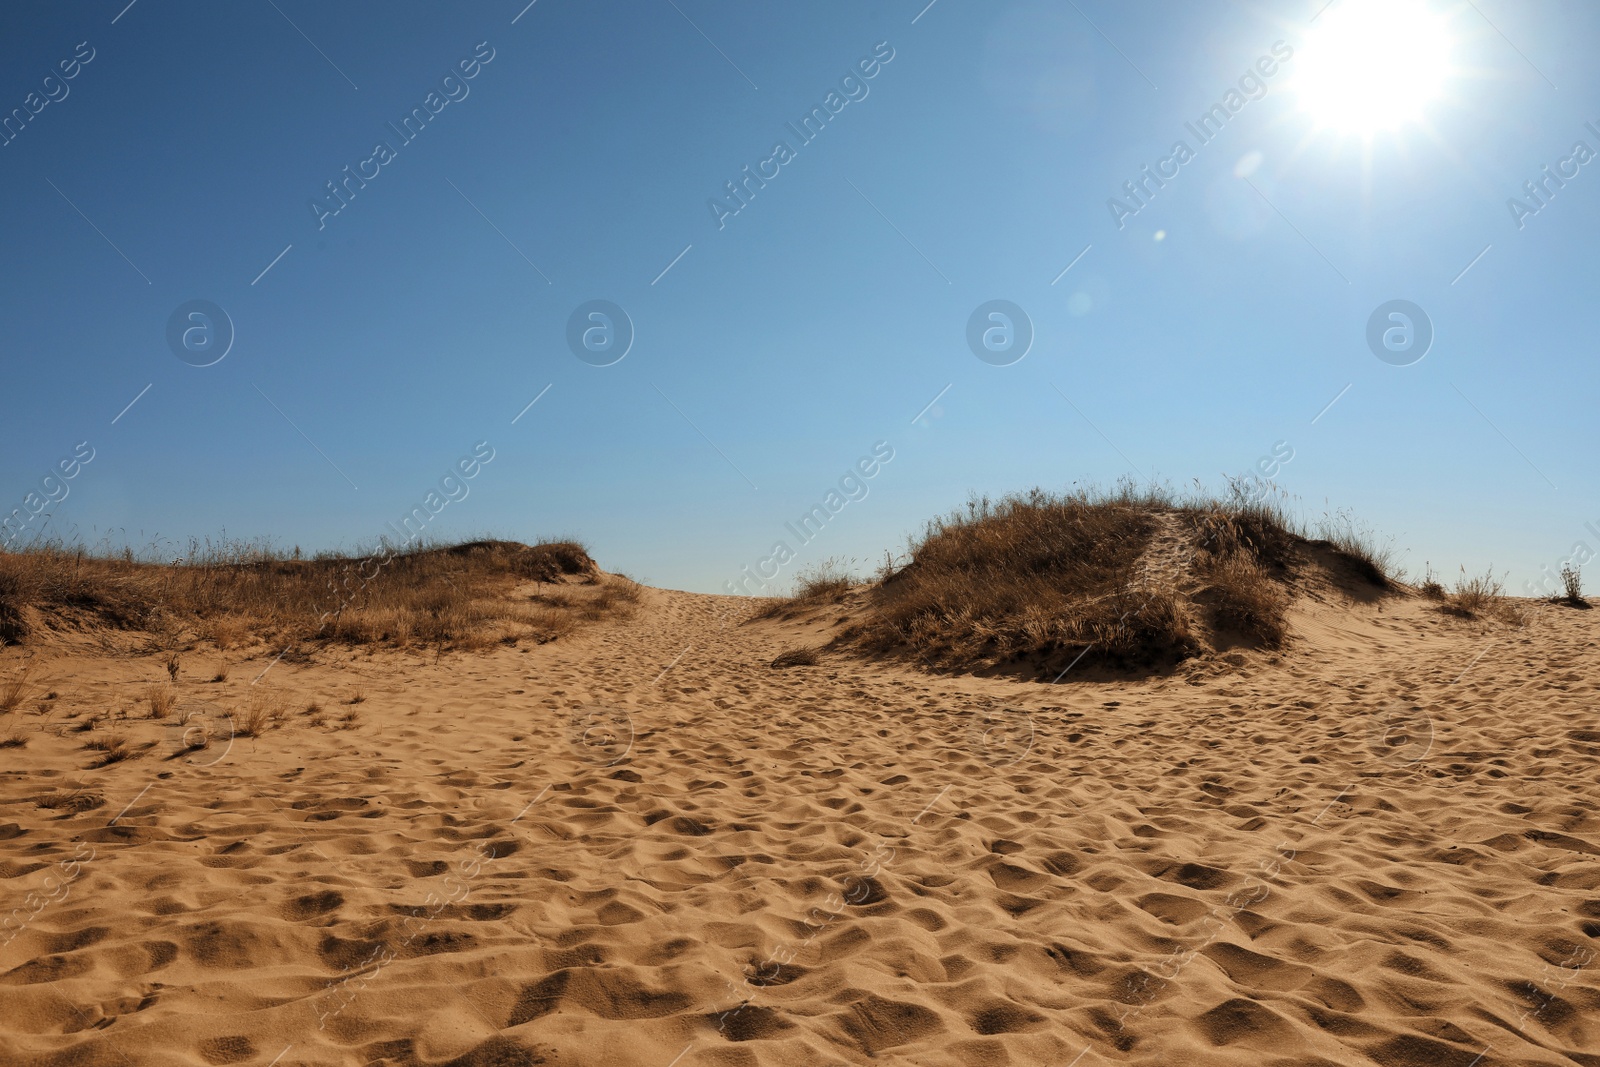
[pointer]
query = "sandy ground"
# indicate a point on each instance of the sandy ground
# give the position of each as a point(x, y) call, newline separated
point(643, 845)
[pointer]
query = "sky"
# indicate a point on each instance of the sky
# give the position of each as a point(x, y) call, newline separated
point(204, 339)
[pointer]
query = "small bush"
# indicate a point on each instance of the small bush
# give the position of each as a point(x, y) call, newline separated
point(1479, 595)
point(1572, 583)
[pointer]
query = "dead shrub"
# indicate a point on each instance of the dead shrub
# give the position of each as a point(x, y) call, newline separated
point(1572, 585)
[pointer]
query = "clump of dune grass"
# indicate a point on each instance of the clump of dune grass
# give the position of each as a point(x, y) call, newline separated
point(815, 586)
point(1478, 596)
point(161, 699)
point(1246, 600)
point(795, 657)
point(113, 748)
point(1356, 541)
point(236, 593)
point(15, 689)
point(1431, 586)
point(1135, 577)
point(1048, 578)
point(265, 711)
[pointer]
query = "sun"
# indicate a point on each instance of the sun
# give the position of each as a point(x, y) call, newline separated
point(1373, 65)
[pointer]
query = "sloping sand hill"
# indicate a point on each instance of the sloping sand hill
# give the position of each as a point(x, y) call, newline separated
point(644, 845)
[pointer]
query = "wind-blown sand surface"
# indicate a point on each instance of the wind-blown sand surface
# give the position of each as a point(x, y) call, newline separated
point(1229, 865)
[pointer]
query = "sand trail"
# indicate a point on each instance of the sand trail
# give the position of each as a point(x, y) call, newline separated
point(645, 845)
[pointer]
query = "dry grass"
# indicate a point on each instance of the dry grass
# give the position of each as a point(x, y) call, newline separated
point(1431, 587)
point(15, 689)
point(14, 739)
point(439, 597)
point(824, 583)
point(224, 631)
point(1477, 596)
point(113, 748)
point(1572, 586)
point(161, 699)
point(221, 675)
point(264, 712)
point(1042, 577)
point(357, 696)
point(796, 657)
point(1247, 601)
point(1130, 578)
point(1360, 545)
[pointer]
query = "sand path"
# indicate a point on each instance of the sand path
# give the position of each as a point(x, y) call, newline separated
point(645, 846)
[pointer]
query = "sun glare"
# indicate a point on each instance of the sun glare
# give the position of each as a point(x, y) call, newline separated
point(1372, 65)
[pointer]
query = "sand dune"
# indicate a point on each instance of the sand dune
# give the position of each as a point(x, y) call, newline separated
point(645, 845)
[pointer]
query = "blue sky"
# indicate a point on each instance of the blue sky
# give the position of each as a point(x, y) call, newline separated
point(976, 164)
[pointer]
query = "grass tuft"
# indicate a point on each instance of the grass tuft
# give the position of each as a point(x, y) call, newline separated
point(1247, 601)
point(15, 689)
point(795, 657)
point(161, 698)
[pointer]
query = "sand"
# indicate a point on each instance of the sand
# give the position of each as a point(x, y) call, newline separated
point(645, 845)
